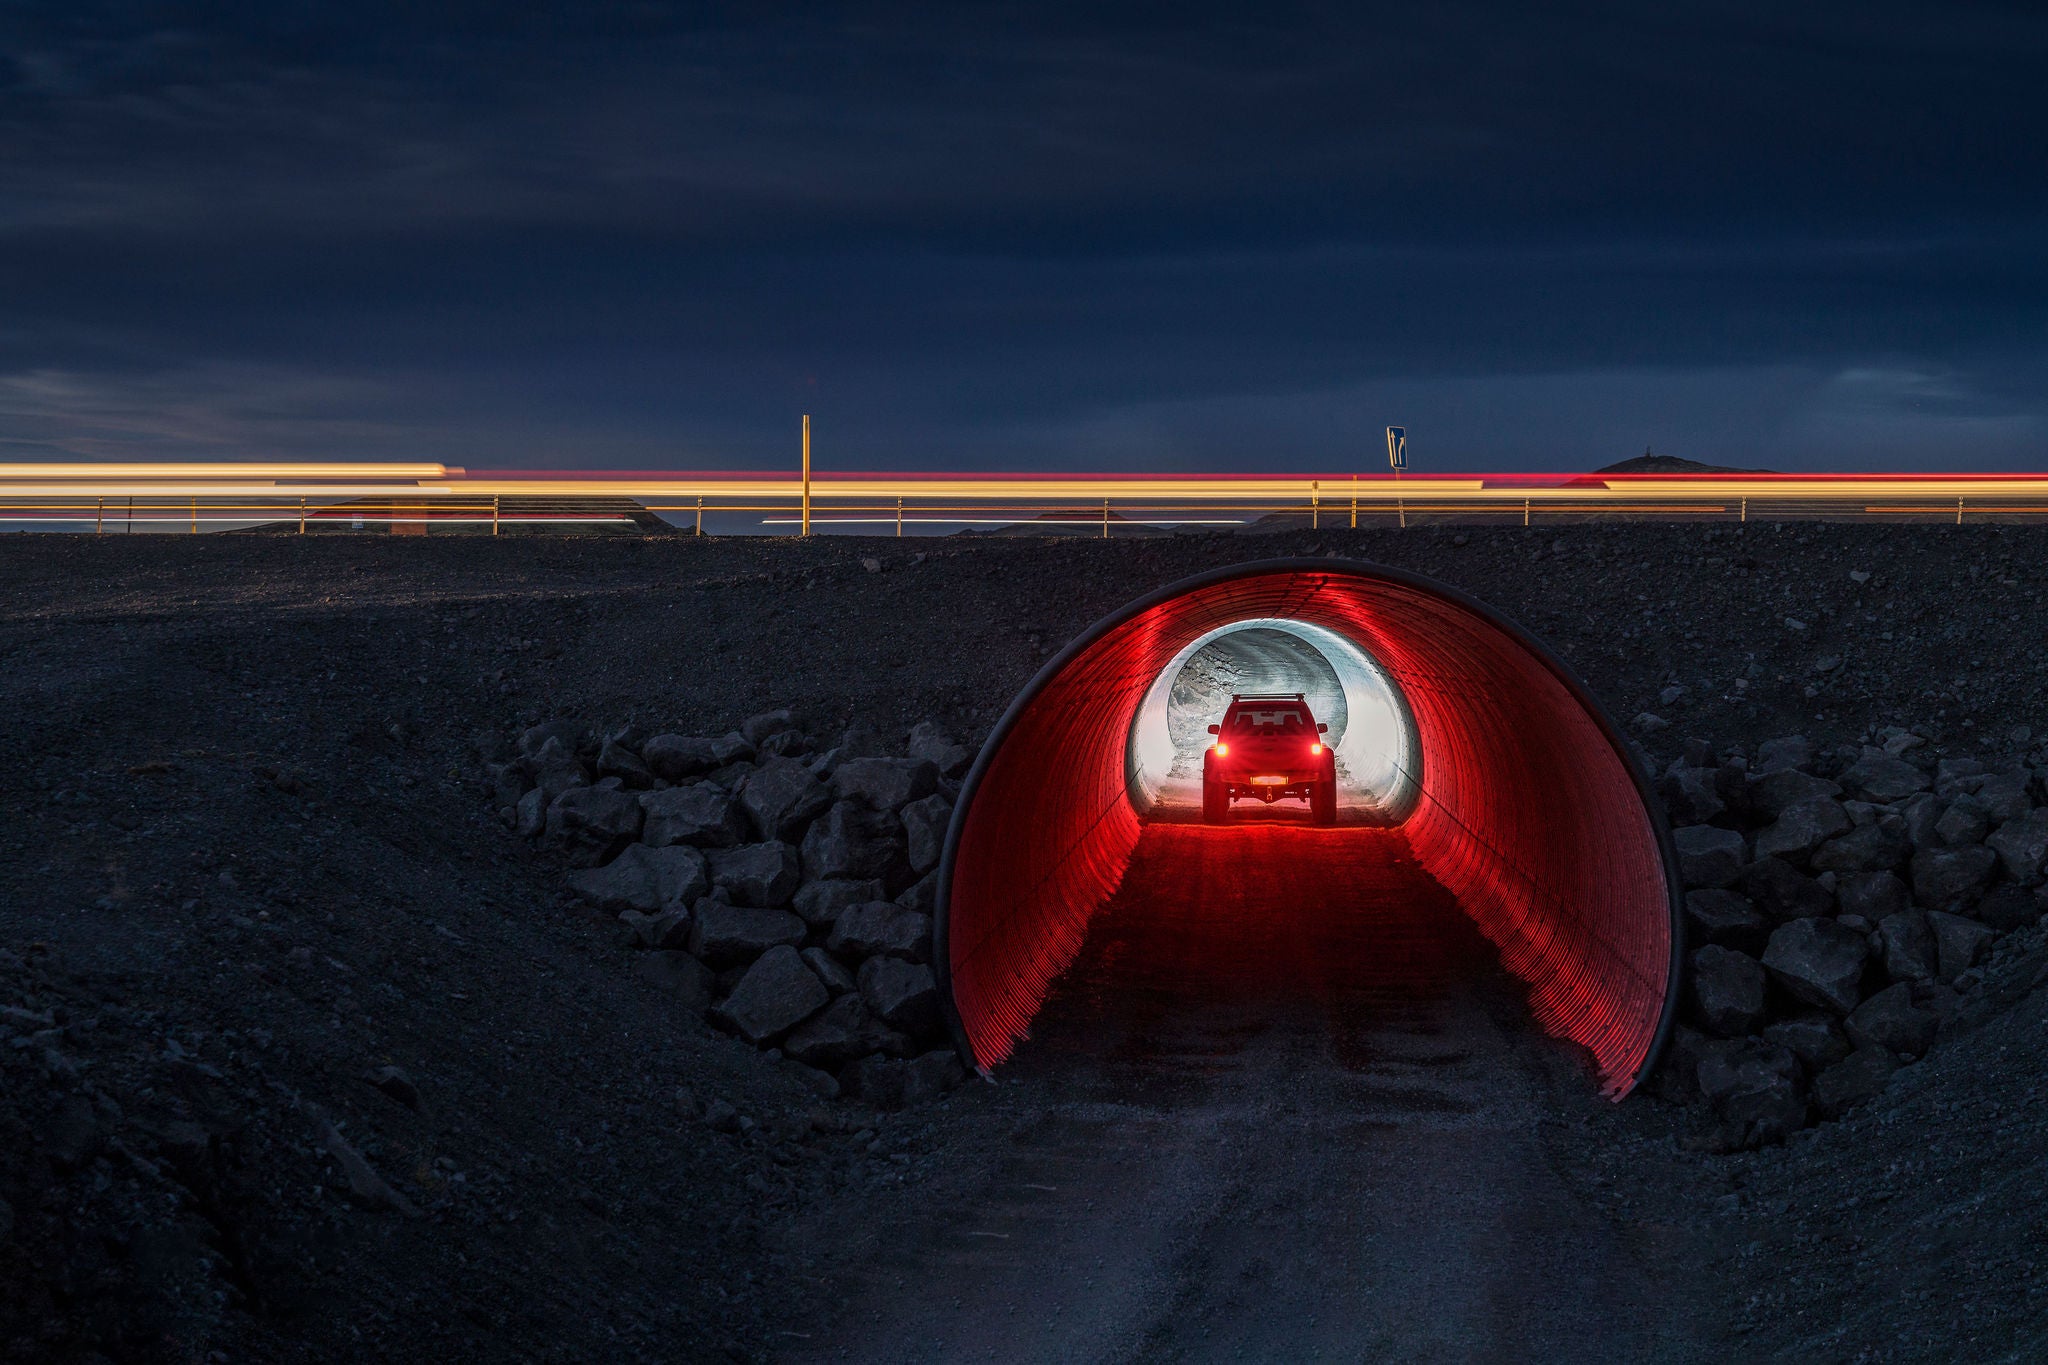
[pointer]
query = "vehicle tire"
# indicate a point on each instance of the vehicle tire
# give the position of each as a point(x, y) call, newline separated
point(1215, 802)
point(1322, 804)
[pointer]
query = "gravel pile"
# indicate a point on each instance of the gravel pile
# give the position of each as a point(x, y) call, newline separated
point(781, 892)
point(1839, 904)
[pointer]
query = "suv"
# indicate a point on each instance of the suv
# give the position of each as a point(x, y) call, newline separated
point(1269, 746)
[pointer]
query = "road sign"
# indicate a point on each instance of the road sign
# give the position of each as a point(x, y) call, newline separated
point(1397, 447)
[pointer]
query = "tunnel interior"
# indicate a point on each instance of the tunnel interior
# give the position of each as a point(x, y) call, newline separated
point(1506, 780)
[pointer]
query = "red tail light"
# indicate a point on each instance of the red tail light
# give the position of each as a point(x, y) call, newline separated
point(1315, 748)
point(1221, 748)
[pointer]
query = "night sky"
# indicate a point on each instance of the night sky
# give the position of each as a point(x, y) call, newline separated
point(1798, 236)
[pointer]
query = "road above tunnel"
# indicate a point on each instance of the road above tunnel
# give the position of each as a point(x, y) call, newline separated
point(1285, 1106)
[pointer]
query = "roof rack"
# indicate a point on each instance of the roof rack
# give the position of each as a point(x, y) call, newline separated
point(1269, 696)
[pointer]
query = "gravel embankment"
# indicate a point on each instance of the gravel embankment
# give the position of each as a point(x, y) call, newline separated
point(307, 1055)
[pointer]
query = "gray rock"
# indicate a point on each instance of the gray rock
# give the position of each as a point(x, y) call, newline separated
point(1879, 777)
point(1817, 1040)
point(2006, 908)
point(1889, 1020)
point(396, 1085)
point(902, 994)
point(587, 825)
point(727, 935)
point(2021, 844)
point(1909, 949)
point(786, 744)
point(1873, 895)
point(889, 1084)
point(1727, 991)
point(1964, 822)
point(530, 816)
point(1708, 855)
point(644, 878)
point(1848, 1083)
point(931, 742)
point(1866, 848)
point(1958, 942)
point(884, 783)
point(1756, 1088)
point(881, 927)
point(845, 1031)
point(757, 728)
point(1778, 889)
point(821, 902)
point(1818, 961)
point(1727, 919)
point(662, 929)
point(555, 769)
point(757, 874)
point(1952, 878)
point(568, 735)
point(2003, 796)
point(1917, 816)
point(679, 975)
point(921, 895)
point(1773, 793)
point(1691, 794)
point(1801, 828)
point(1788, 751)
point(676, 757)
point(835, 976)
point(700, 813)
point(781, 798)
point(852, 841)
point(616, 760)
point(924, 831)
point(1954, 776)
point(508, 782)
point(777, 993)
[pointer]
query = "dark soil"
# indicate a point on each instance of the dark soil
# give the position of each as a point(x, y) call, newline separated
point(245, 860)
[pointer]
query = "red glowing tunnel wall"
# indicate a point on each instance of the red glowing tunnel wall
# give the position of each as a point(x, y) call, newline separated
point(1531, 813)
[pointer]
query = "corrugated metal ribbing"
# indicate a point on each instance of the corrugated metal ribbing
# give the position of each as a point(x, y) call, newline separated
point(1530, 813)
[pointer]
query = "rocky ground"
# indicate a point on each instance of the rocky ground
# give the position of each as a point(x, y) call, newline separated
point(307, 1054)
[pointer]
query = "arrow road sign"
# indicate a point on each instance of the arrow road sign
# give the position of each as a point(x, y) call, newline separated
point(1397, 447)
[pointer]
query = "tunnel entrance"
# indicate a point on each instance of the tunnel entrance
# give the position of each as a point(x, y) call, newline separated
point(1512, 791)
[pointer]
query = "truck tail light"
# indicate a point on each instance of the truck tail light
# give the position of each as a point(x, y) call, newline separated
point(1315, 749)
point(1221, 748)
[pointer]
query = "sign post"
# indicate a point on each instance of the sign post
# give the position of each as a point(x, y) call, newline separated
point(1397, 458)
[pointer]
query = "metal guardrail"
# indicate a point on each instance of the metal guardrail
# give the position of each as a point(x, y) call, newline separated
point(305, 497)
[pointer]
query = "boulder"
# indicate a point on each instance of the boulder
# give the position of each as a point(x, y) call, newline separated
point(843, 1032)
point(781, 798)
point(853, 841)
point(1964, 822)
point(2021, 844)
point(616, 760)
point(1873, 895)
point(1755, 1088)
point(1817, 1040)
point(924, 831)
point(676, 757)
point(2006, 908)
point(1801, 828)
point(1818, 961)
point(1725, 918)
point(508, 782)
point(930, 742)
point(1952, 878)
point(786, 744)
point(887, 1083)
point(1868, 847)
point(1787, 751)
point(1709, 855)
point(646, 879)
point(757, 728)
point(921, 895)
point(530, 816)
point(1958, 942)
point(700, 813)
point(881, 927)
point(728, 935)
point(1879, 777)
point(1890, 1020)
point(568, 735)
point(2003, 796)
point(1691, 794)
point(659, 929)
point(587, 825)
point(902, 994)
point(1772, 794)
point(1727, 991)
point(1778, 889)
point(555, 769)
point(822, 902)
point(680, 976)
point(1909, 950)
point(777, 993)
point(884, 783)
point(1917, 816)
point(757, 874)
point(829, 970)
point(1850, 1082)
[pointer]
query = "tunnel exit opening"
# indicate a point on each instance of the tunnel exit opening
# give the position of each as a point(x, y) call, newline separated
point(1513, 789)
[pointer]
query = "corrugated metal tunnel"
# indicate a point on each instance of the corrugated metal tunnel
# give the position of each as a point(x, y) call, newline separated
point(1511, 785)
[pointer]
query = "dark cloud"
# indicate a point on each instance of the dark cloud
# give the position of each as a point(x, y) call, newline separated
point(615, 234)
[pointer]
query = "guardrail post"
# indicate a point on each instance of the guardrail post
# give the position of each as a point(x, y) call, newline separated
point(807, 475)
point(1745, 509)
point(494, 514)
point(1354, 502)
point(195, 516)
point(1105, 518)
point(700, 516)
point(1525, 511)
point(302, 516)
point(1315, 505)
point(899, 518)
point(99, 518)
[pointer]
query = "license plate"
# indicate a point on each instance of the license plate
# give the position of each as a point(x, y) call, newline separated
point(1269, 781)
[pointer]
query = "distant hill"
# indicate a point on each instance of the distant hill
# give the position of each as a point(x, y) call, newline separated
point(1647, 463)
